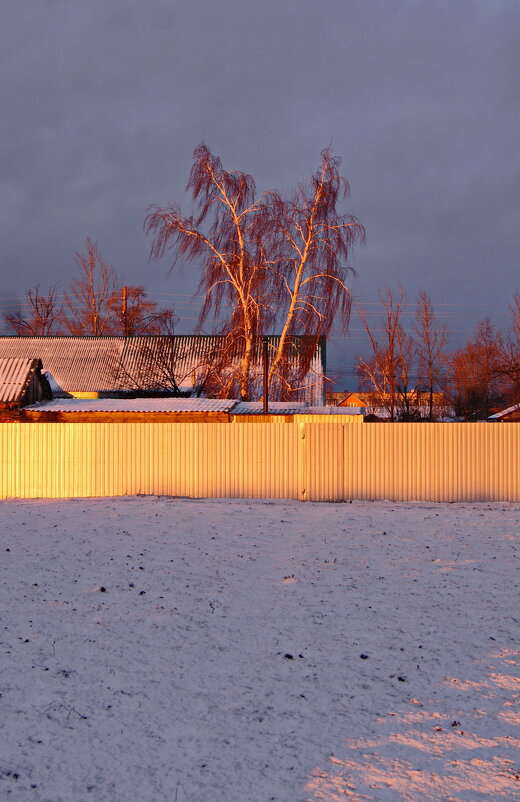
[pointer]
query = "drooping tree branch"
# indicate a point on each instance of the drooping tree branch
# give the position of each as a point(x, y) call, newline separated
point(388, 368)
point(310, 243)
point(225, 234)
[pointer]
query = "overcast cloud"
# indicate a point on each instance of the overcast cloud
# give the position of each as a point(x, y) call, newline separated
point(104, 102)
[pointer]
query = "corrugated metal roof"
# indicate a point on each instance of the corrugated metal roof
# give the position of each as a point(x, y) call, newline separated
point(274, 407)
point(129, 364)
point(15, 376)
point(109, 364)
point(505, 412)
point(134, 405)
point(290, 408)
point(334, 410)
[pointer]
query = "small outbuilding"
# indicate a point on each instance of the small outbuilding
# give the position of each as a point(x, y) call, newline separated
point(21, 383)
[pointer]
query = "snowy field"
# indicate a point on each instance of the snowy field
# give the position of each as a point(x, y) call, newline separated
point(175, 650)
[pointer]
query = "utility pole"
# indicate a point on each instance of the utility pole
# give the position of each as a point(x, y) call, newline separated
point(265, 341)
point(125, 311)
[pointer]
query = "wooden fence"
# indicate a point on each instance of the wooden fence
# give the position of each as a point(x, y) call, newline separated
point(306, 461)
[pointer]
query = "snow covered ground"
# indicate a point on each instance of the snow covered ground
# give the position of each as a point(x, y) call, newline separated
point(177, 650)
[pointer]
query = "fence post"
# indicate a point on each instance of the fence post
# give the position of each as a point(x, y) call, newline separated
point(302, 461)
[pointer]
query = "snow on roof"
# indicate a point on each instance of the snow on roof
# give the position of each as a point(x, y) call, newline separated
point(134, 405)
point(504, 412)
point(53, 384)
point(15, 375)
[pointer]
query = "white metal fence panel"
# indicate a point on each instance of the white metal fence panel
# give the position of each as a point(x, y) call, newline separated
point(415, 461)
point(57, 460)
point(314, 461)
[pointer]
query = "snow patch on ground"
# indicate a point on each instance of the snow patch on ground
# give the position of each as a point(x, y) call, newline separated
point(160, 649)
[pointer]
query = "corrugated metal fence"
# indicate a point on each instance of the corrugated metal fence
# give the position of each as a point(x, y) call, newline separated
point(307, 461)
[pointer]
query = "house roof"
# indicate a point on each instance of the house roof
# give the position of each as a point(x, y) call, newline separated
point(505, 412)
point(274, 407)
point(124, 364)
point(180, 405)
point(173, 405)
point(377, 399)
point(82, 364)
point(15, 376)
point(359, 399)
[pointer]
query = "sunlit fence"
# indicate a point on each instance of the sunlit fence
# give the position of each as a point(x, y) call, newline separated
point(306, 461)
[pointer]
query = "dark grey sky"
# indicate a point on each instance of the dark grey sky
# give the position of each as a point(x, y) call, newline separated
point(104, 101)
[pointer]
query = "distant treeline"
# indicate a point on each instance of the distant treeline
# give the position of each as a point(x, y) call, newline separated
point(414, 374)
point(96, 303)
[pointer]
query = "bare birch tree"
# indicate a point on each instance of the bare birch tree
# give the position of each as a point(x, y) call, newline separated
point(89, 310)
point(309, 246)
point(407, 394)
point(510, 356)
point(133, 314)
point(99, 305)
point(40, 316)
point(225, 233)
point(265, 261)
point(431, 343)
point(388, 368)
